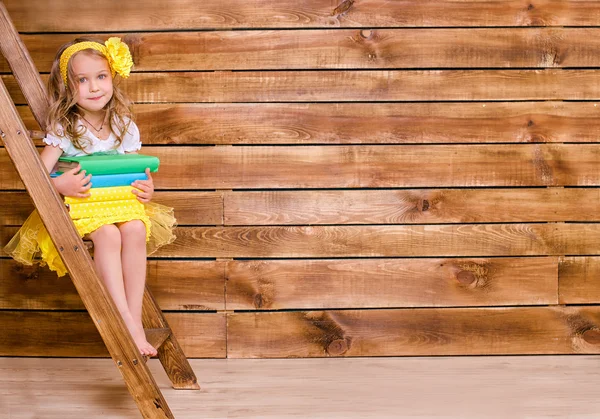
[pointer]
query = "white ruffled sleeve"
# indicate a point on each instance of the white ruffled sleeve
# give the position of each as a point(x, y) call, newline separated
point(56, 141)
point(131, 139)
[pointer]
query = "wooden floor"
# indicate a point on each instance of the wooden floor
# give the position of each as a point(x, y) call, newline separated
point(447, 387)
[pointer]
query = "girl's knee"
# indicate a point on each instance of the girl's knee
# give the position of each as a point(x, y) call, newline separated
point(133, 228)
point(107, 234)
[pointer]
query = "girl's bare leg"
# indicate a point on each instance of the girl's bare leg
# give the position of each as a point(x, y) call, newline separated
point(107, 258)
point(133, 259)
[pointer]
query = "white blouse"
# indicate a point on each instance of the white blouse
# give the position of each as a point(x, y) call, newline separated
point(92, 144)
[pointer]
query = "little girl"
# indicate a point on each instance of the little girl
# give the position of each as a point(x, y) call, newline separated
point(89, 114)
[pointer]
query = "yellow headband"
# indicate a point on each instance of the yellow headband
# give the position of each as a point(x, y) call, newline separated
point(116, 52)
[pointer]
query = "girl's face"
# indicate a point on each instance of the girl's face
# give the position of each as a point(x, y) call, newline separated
point(93, 77)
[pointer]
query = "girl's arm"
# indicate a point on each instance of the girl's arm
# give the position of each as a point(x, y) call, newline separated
point(72, 183)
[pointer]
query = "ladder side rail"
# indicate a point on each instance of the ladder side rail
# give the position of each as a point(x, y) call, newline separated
point(23, 68)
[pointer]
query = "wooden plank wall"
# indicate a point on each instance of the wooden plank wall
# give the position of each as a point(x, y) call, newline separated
point(356, 178)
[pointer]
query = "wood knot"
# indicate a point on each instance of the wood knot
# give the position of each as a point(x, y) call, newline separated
point(530, 123)
point(366, 33)
point(424, 205)
point(592, 336)
point(258, 301)
point(337, 347)
point(466, 277)
point(27, 272)
point(342, 8)
point(473, 275)
point(530, 7)
point(35, 275)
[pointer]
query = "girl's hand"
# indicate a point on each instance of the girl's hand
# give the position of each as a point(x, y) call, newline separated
point(146, 188)
point(73, 183)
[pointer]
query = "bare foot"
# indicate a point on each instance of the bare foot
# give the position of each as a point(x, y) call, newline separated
point(138, 335)
point(144, 346)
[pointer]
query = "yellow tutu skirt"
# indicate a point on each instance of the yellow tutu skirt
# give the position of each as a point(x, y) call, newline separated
point(32, 243)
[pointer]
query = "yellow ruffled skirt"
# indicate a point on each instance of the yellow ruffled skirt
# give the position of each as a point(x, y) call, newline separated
point(32, 243)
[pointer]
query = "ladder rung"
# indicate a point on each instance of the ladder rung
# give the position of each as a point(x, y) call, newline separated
point(37, 135)
point(157, 336)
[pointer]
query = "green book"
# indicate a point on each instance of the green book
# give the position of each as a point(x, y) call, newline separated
point(109, 164)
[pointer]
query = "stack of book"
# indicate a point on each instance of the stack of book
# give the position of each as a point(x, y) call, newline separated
point(112, 176)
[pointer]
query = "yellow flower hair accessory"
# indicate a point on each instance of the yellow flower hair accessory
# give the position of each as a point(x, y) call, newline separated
point(119, 57)
point(116, 52)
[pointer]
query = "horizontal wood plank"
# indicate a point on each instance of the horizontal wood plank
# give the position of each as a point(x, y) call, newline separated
point(410, 166)
point(410, 206)
point(176, 285)
point(72, 334)
point(197, 285)
point(378, 166)
point(359, 123)
point(135, 15)
point(191, 208)
point(447, 331)
point(345, 49)
point(467, 240)
point(386, 241)
point(387, 332)
point(578, 280)
point(15, 207)
point(352, 86)
point(376, 283)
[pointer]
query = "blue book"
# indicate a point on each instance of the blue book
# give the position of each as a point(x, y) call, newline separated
point(105, 181)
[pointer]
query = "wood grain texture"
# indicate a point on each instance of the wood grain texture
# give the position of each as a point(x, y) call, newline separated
point(411, 166)
point(359, 85)
point(379, 166)
point(386, 332)
point(364, 123)
point(345, 49)
point(72, 334)
point(386, 241)
point(410, 206)
point(191, 208)
point(15, 207)
point(177, 285)
point(135, 15)
point(560, 386)
point(447, 331)
point(377, 283)
point(578, 280)
point(384, 163)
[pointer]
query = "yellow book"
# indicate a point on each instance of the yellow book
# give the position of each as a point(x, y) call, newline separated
point(114, 193)
point(103, 209)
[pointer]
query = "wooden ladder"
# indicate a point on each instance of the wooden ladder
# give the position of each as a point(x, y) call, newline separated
point(97, 301)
